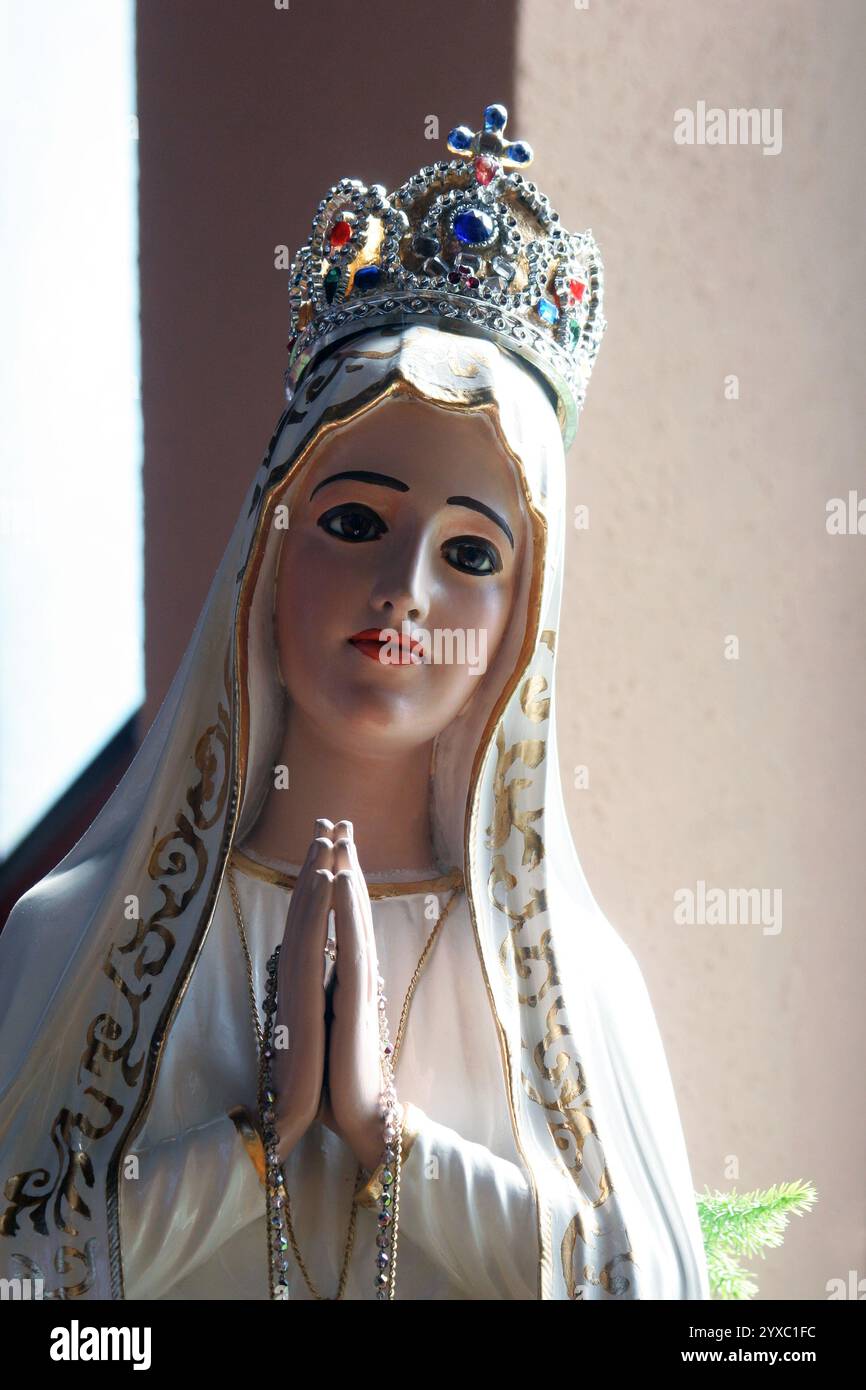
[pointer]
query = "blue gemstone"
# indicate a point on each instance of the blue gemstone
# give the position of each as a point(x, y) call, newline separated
point(473, 228)
point(547, 310)
point(460, 138)
point(495, 117)
point(367, 277)
point(520, 152)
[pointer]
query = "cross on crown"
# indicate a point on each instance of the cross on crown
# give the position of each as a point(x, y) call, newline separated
point(489, 148)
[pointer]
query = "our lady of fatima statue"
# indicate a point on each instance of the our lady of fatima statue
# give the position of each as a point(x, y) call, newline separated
point(448, 1081)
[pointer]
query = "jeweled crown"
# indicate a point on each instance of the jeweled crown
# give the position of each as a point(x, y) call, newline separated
point(468, 241)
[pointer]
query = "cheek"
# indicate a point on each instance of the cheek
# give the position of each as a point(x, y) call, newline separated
point(477, 608)
point(480, 606)
point(306, 604)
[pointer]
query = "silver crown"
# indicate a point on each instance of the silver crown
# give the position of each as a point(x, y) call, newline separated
point(469, 243)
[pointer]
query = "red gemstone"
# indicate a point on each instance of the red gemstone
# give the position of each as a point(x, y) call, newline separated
point(463, 273)
point(340, 233)
point(486, 168)
point(576, 289)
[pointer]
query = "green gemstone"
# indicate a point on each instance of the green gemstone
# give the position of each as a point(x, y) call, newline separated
point(331, 279)
point(574, 328)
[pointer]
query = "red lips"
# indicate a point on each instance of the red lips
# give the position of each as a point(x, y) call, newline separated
point(370, 643)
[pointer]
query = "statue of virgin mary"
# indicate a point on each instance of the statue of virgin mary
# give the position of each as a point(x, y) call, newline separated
point(378, 818)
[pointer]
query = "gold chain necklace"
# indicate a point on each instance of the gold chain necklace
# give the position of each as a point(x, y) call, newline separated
point(404, 1015)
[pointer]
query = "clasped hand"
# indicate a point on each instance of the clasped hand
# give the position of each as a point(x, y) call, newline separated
point(330, 1070)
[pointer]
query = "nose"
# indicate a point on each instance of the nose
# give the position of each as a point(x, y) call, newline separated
point(402, 588)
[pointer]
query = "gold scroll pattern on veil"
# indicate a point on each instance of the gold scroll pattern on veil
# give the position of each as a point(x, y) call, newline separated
point(58, 1204)
point(568, 1118)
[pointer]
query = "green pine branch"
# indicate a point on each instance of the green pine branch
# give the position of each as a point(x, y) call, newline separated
point(745, 1224)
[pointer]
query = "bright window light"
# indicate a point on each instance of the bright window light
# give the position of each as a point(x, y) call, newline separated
point(71, 543)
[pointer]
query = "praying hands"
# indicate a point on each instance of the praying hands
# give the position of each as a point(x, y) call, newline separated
point(328, 1068)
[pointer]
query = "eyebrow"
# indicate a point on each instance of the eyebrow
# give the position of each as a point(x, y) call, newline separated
point(485, 511)
point(363, 475)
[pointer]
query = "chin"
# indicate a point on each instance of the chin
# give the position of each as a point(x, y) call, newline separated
point(379, 718)
point(386, 717)
point(368, 709)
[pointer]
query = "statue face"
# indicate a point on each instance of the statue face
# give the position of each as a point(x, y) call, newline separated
point(428, 544)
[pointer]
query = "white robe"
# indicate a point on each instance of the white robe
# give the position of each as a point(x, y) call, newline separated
point(193, 1222)
point(600, 1138)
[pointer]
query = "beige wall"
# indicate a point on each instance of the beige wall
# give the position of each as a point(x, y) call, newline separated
point(707, 516)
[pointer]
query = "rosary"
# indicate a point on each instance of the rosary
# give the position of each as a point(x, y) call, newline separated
point(386, 1178)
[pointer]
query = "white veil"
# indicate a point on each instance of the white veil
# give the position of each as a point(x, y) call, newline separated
point(95, 959)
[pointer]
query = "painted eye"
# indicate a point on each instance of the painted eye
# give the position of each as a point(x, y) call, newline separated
point(472, 555)
point(352, 522)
